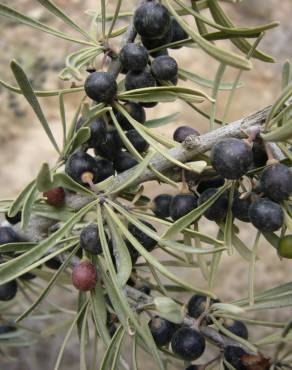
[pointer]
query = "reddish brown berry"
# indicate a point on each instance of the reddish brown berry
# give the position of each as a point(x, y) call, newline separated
point(55, 197)
point(84, 276)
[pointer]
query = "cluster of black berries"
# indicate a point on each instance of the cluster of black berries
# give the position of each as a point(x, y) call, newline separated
point(233, 158)
point(111, 155)
point(187, 342)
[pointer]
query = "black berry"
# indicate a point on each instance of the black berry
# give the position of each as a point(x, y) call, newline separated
point(53, 263)
point(134, 57)
point(5, 329)
point(233, 355)
point(161, 330)
point(240, 207)
point(266, 215)
point(152, 19)
point(259, 154)
point(89, 239)
point(217, 210)
point(139, 80)
point(84, 276)
point(124, 161)
point(164, 68)
point(136, 111)
point(97, 131)
point(105, 169)
point(111, 146)
point(134, 254)
point(188, 344)
point(193, 367)
point(139, 143)
point(161, 205)
point(80, 163)
point(276, 182)
point(55, 197)
point(101, 87)
point(231, 158)
point(8, 290)
point(8, 235)
point(182, 204)
point(14, 219)
point(178, 33)
point(214, 182)
point(198, 304)
point(157, 42)
point(147, 242)
point(237, 327)
point(182, 132)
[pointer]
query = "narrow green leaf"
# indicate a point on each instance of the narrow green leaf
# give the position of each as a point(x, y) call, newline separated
point(99, 313)
point(205, 82)
point(282, 133)
point(65, 18)
point(16, 247)
point(152, 260)
point(220, 16)
point(67, 337)
point(81, 136)
point(44, 178)
point(46, 291)
point(13, 14)
point(192, 216)
point(30, 96)
point(162, 121)
point(138, 170)
point(223, 56)
point(112, 349)
point(285, 95)
point(15, 267)
point(18, 202)
point(27, 207)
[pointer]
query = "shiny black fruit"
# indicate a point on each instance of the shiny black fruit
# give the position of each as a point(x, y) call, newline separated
point(259, 154)
point(178, 33)
point(89, 239)
point(182, 204)
point(188, 344)
point(147, 242)
point(139, 80)
point(233, 355)
point(105, 169)
point(111, 146)
point(139, 143)
point(276, 182)
point(214, 182)
point(124, 161)
point(217, 210)
point(240, 207)
point(198, 304)
point(237, 327)
point(152, 19)
point(101, 87)
point(164, 68)
point(8, 235)
point(14, 219)
point(8, 290)
point(134, 57)
point(53, 263)
point(136, 111)
point(161, 330)
point(231, 158)
point(161, 205)
point(97, 132)
point(80, 163)
point(266, 215)
point(182, 132)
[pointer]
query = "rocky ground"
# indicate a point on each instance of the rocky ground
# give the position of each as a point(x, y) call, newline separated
point(23, 145)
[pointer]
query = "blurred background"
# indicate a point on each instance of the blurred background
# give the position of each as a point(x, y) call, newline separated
point(24, 146)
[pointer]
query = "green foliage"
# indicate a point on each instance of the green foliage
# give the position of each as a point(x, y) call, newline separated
point(116, 312)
